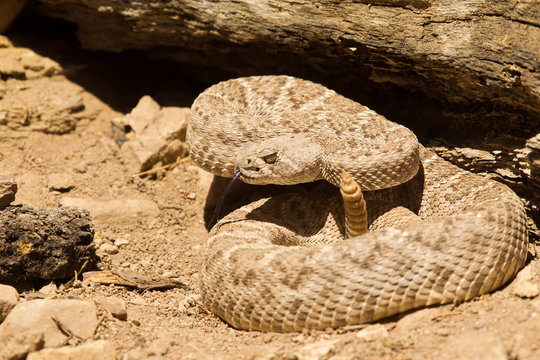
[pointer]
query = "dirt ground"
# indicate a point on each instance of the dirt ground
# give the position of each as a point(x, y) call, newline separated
point(76, 99)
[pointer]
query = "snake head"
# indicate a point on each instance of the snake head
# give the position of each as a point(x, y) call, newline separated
point(283, 160)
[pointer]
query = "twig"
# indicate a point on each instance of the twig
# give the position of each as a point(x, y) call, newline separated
point(164, 167)
point(100, 320)
point(76, 276)
point(445, 314)
point(64, 330)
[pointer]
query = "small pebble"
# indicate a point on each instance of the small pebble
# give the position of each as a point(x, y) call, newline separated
point(108, 248)
point(478, 325)
point(136, 322)
point(120, 242)
point(60, 182)
point(49, 289)
point(372, 333)
point(524, 285)
point(168, 274)
point(442, 332)
point(145, 262)
point(317, 350)
point(526, 289)
point(81, 168)
point(117, 307)
point(98, 241)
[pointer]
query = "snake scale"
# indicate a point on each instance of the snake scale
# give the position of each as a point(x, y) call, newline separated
point(437, 234)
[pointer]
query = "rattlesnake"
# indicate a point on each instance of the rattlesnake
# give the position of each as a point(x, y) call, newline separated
point(438, 234)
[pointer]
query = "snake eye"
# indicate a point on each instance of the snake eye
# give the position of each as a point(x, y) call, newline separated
point(270, 159)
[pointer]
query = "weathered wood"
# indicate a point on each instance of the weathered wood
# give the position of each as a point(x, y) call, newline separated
point(472, 59)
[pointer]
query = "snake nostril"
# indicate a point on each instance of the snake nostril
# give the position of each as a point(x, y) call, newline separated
point(250, 163)
point(245, 163)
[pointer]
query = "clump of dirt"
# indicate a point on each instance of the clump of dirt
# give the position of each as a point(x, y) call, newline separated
point(57, 138)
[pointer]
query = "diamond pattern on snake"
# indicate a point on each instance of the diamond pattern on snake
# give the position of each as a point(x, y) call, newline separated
point(437, 234)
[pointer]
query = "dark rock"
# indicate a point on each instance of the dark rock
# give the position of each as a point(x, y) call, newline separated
point(43, 244)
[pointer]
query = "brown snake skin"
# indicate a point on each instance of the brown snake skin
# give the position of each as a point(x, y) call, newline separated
point(437, 234)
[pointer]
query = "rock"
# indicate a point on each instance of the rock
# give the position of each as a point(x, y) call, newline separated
point(474, 344)
point(9, 9)
point(157, 135)
point(525, 289)
point(116, 211)
point(417, 319)
point(316, 351)
point(142, 115)
point(524, 286)
point(92, 350)
point(108, 248)
point(10, 65)
point(121, 241)
point(117, 307)
point(137, 354)
point(22, 63)
point(49, 289)
point(372, 333)
point(8, 299)
point(161, 345)
point(44, 244)
point(60, 182)
point(77, 316)
point(52, 107)
point(169, 274)
point(8, 188)
point(5, 42)
point(17, 345)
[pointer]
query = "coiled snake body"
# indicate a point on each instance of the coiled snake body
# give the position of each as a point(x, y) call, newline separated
point(438, 234)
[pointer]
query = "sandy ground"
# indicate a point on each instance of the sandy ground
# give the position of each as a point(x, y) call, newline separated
point(169, 324)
